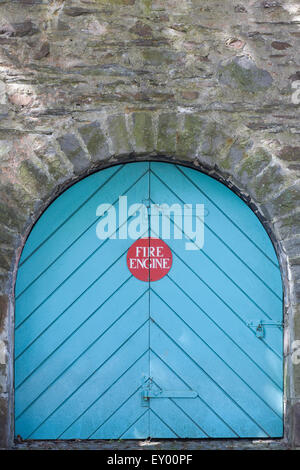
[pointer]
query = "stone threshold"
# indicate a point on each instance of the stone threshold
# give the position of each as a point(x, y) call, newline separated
point(154, 444)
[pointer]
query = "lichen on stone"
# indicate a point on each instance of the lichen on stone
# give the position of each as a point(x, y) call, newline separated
point(167, 130)
point(188, 138)
point(94, 140)
point(254, 164)
point(143, 131)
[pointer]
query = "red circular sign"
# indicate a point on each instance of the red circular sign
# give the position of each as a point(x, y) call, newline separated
point(149, 259)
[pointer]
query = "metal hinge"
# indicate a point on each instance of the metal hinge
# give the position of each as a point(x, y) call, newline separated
point(261, 324)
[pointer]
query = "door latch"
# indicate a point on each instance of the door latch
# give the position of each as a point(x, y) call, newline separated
point(261, 324)
point(169, 394)
point(150, 390)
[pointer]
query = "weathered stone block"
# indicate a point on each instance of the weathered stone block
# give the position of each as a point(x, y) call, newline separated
point(167, 131)
point(295, 264)
point(236, 154)
point(42, 51)
point(287, 227)
point(296, 424)
point(70, 145)
point(254, 164)
point(12, 214)
point(188, 139)
point(214, 142)
point(141, 29)
point(10, 217)
point(268, 182)
point(113, 70)
point(3, 100)
point(62, 26)
point(295, 293)
point(3, 311)
point(78, 11)
point(295, 352)
point(189, 95)
point(3, 373)
point(19, 29)
point(118, 133)
point(284, 204)
point(158, 57)
point(3, 421)
point(3, 368)
point(57, 165)
point(4, 280)
point(291, 155)
point(95, 141)
point(56, 168)
point(15, 196)
point(143, 132)
point(242, 72)
point(280, 46)
point(6, 258)
point(292, 247)
point(7, 236)
point(33, 178)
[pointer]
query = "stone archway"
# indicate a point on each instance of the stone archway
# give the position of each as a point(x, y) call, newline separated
point(50, 163)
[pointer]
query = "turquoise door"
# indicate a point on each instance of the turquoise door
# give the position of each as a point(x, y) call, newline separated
point(193, 350)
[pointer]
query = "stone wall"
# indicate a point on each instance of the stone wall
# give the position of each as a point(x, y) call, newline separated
point(212, 84)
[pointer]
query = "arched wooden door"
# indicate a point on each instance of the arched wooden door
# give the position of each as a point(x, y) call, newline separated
point(194, 351)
